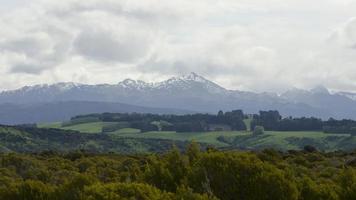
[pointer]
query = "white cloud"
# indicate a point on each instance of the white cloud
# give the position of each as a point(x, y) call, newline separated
point(346, 34)
point(246, 44)
point(123, 44)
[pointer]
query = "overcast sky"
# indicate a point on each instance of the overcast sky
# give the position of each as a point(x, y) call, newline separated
point(255, 45)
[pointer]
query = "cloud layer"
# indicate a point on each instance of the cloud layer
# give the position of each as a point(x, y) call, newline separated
point(246, 44)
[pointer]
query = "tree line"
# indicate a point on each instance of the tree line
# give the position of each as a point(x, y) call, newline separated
point(180, 123)
point(270, 120)
point(273, 121)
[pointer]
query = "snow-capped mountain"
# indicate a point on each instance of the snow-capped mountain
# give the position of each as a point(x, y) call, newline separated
point(334, 105)
point(349, 95)
point(189, 92)
point(129, 91)
point(188, 82)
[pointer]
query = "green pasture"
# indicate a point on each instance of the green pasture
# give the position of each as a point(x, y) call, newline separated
point(283, 140)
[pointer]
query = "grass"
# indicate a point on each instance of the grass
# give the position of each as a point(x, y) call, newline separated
point(248, 123)
point(92, 127)
point(125, 131)
point(204, 137)
point(291, 140)
point(50, 125)
point(238, 139)
point(244, 139)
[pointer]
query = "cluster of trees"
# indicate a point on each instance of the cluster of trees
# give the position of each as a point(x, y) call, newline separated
point(340, 126)
point(179, 123)
point(273, 121)
point(269, 120)
point(194, 174)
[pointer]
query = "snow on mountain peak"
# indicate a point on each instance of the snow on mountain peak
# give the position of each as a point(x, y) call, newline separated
point(128, 82)
point(320, 90)
point(63, 86)
point(138, 84)
point(193, 77)
point(185, 82)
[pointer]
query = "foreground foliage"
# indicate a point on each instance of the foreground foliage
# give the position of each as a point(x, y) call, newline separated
point(194, 174)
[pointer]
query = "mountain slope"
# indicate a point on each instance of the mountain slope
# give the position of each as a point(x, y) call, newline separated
point(349, 95)
point(11, 114)
point(338, 106)
point(189, 92)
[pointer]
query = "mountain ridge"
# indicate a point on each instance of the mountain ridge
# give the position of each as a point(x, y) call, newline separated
point(190, 92)
point(131, 83)
point(12, 114)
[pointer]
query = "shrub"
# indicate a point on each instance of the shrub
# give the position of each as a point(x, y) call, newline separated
point(353, 131)
point(258, 130)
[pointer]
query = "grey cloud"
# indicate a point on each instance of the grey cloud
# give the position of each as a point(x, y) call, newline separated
point(146, 14)
point(205, 66)
point(346, 34)
point(350, 31)
point(214, 38)
point(106, 46)
point(26, 68)
point(36, 51)
point(27, 45)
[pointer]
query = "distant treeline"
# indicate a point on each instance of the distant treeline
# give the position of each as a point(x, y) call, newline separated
point(234, 120)
point(273, 121)
point(181, 123)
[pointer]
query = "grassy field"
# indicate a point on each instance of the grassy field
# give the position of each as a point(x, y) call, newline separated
point(93, 127)
point(50, 125)
point(244, 139)
point(204, 137)
point(125, 131)
point(293, 140)
point(234, 139)
point(248, 123)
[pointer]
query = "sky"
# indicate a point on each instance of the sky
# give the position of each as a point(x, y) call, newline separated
point(253, 45)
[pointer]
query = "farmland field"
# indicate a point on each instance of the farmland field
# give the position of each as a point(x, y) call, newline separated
point(244, 139)
point(203, 137)
point(92, 127)
point(282, 140)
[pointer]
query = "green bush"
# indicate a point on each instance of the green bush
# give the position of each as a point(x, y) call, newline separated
point(193, 175)
point(353, 131)
point(258, 130)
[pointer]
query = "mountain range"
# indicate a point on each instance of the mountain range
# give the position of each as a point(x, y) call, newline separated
point(178, 95)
